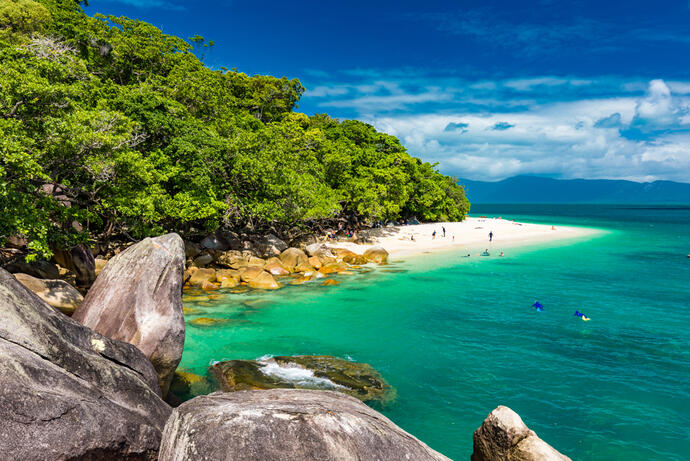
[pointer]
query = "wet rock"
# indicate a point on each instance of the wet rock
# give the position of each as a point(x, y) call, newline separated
point(504, 437)
point(330, 282)
point(304, 267)
point(359, 380)
point(264, 281)
point(222, 274)
point(301, 280)
point(69, 393)
point(57, 293)
point(138, 299)
point(356, 260)
point(186, 385)
point(376, 254)
point(315, 262)
point(254, 261)
point(39, 269)
point(332, 268)
point(80, 261)
point(293, 257)
point(285, 424)
point(209, 286)
point(228, 282)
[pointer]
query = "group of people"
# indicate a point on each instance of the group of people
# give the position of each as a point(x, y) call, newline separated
point(349, 233)
point(540, 308)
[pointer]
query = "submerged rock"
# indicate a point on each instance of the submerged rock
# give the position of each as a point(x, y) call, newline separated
point(283, 424)
point(138, 299)
point(359, 380)
point(186, 385)
point(504, 437)
point(57, 293)
point(330, 282)
point(208, 322)
point(69, 393)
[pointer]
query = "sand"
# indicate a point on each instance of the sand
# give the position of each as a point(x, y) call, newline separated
point(472, 235)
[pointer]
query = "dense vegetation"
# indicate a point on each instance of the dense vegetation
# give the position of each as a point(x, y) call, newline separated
point(108, 127)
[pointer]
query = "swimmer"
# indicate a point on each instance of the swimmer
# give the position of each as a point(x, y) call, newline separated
point(581, 315)
point(501, 253)
point(538, 306)
point(486, 252)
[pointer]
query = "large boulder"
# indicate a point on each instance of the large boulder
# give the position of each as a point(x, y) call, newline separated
point(264, 281)
point(376, 254)
point(39, 269)
point(359, 380)
point(138, 299)
point(233, 259)
point(79, 260)
point(69, 393)
point(504, 437)
point(57, 293)
point(286, 424)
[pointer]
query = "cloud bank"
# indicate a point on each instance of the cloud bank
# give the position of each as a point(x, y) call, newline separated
point(604, 127)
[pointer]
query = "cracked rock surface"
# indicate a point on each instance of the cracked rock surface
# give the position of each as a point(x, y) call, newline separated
point(68, 392)
point(286, 424)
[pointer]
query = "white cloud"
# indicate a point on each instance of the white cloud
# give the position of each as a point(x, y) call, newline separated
point(566, 127)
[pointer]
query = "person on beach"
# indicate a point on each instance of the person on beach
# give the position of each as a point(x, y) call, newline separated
point(491, 235)
point(501, 253)
point(454, 240)
point(538, 306)
point(412, 237)
point(433, 236)
point(444, 230)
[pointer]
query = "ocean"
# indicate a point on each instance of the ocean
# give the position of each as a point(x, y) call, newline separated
point(457, 336)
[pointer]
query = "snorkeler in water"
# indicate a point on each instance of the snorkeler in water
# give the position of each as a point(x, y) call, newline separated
point(581, 315)
point(538, 306)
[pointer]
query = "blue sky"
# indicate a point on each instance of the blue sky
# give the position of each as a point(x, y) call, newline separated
point(489, 89)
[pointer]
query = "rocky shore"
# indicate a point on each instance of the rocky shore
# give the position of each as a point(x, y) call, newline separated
point(99, 385)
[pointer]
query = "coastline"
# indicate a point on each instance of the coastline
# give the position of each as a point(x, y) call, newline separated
point(470, 235)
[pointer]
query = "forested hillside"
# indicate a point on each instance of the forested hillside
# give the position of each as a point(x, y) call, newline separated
point(108, 127)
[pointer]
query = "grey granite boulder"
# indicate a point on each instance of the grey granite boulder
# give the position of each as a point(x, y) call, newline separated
point(138, 299)
point(285, 424)
point(504, 437)
point(69, 393)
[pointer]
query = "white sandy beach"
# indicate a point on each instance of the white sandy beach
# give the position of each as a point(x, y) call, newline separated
point(472, 234)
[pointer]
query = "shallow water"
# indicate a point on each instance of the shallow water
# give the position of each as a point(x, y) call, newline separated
point(457, 336)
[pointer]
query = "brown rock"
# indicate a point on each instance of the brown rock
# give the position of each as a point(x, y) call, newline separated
point(251, 273)
point(138, 299)
point(304, 267)
point(233, 259)
point(301, 280)
point(254, 261)
point(356, 260)
point(209, 286)
point(330, 282)
point(202, 275)
point(315, 261)
point(341, 253)
point(504, 437)
point(264, 281)
point(208, 322)
point(56, 293)
point(203, 260)
point(376, 254)
point(292, 257)
point(276, 268)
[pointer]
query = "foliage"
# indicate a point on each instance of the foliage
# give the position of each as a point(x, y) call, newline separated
point(108, 127)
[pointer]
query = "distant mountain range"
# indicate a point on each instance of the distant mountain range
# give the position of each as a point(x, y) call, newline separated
point(535, 189)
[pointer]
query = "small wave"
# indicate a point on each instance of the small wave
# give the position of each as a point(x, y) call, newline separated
point(295, 374)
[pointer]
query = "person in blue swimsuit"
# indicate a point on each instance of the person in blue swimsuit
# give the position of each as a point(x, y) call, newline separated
point(538, 306)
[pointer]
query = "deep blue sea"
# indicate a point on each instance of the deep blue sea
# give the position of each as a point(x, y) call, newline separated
point(457, 337)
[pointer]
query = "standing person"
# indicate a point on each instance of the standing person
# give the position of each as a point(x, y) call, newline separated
point(433, 236)
point(444, 230)
point(491, 235)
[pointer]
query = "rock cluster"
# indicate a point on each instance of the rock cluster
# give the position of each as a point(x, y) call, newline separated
point(68, 392)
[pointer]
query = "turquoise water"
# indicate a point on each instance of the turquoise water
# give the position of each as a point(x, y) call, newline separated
point(456, 336)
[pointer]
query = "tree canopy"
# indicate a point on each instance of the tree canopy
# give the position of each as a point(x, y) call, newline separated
point(109, 127)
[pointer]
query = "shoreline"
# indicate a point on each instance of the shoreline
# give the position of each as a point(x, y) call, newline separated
point(470, 235)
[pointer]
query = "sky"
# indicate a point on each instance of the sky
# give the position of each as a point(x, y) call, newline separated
point(488, 89)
